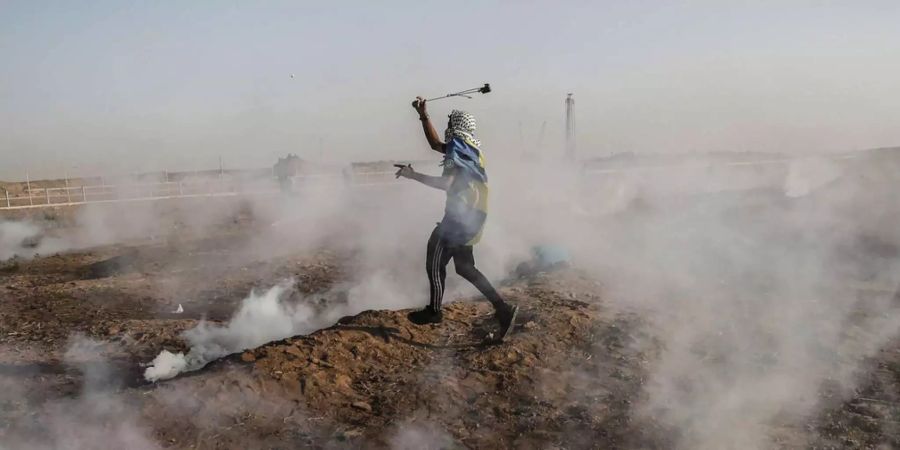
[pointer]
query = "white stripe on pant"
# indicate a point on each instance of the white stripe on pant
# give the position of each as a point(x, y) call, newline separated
point(436, 275)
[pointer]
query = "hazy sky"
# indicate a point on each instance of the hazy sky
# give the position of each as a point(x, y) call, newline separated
point(118, 85)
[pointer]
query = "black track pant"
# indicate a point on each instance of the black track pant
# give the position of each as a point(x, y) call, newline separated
point(436, 259)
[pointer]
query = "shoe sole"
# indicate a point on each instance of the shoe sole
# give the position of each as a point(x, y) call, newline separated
point(512, 324)
point(422, 324)
point(428, 322)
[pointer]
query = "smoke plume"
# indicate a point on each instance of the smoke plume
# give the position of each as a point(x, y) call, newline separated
point(258, 320)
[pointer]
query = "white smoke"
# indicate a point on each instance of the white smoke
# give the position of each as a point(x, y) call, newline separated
point(260, 319)
point(421, 436)
point(807, 174)
point(111, 223)
point(24, 240)
point(97, 418)
point(271, 316)
point(745, 275)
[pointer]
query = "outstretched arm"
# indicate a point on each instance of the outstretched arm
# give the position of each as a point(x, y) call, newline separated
point(443, 182)
point(431, 134)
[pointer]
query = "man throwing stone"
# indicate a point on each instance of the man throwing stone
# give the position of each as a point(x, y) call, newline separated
point(465, 180)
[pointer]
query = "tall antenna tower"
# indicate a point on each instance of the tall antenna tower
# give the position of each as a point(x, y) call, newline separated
point(570, 127)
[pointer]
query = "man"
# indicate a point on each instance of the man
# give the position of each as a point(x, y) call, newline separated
point(465, 181)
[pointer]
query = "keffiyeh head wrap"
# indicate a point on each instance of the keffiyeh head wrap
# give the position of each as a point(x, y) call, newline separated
point(462, 125)
point(461, 151)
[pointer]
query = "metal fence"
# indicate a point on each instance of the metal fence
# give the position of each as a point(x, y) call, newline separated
point(38, 197)
point(714, 174)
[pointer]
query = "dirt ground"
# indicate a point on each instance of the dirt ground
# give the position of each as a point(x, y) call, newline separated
point(568, 378)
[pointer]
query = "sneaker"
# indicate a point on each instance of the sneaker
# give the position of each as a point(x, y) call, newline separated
point(425, 316)
point(507, 318)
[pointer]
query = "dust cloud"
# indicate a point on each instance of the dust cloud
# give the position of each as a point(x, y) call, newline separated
point(766, 299)
point(759, 280)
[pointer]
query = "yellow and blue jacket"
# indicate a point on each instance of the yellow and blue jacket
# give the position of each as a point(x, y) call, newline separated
point(467, 197)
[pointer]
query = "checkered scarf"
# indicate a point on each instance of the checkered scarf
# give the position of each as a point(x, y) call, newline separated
point(462, 125)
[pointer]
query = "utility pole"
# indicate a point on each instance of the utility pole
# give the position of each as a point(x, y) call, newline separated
point(570, 127)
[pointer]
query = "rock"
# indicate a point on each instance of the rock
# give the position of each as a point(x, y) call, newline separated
point(319, 362)
point(290, 349)
point(530, 325)
point(362, 406)
point(343, 383)
point(248, 357)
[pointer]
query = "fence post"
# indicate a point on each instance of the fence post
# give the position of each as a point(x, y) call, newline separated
point(68, 193)
point(7, 199)
point(47, 194)
point(83, 194)
point(28, 184)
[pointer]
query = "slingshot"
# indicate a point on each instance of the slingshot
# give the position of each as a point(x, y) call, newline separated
point(484, 90)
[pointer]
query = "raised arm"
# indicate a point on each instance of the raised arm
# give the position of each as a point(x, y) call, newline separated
point(434, 140)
